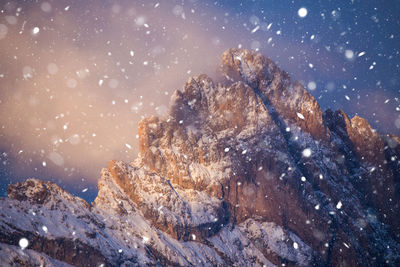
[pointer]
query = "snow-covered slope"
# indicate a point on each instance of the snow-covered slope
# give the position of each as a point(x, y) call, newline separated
point(245, 172)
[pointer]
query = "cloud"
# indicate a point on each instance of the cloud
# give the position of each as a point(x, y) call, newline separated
point(74, 93)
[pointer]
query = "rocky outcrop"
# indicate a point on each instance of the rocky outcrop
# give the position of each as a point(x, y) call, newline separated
point(248, 171)
point(282, 97)
point(178, 216)
point(14, 256)
point(371, 161)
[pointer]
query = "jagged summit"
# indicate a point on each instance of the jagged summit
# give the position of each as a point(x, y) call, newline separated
point(248, 172)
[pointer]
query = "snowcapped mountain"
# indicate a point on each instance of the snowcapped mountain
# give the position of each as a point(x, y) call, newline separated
point(244, 172)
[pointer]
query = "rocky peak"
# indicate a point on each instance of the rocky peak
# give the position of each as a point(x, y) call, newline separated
point(248, 171)
point(289, 103)
point(247, 137)
point(38, 192)
point(360, 137)
point(31, 190)
point(207, 118)
point(363, 148)
point(367, 141)
point(244, 65)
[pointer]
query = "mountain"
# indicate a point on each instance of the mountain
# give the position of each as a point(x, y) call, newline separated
point(244, 172)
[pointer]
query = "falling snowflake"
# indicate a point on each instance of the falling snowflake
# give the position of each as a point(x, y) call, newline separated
point(35, 30)
point(349, 54)
point(300, 116)
point(302, 12)
point(306, 152)
point(23, 243)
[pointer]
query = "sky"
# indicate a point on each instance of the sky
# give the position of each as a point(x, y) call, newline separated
point(76, 77)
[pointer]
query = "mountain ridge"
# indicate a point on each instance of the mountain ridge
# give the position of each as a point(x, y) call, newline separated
point(248, 171)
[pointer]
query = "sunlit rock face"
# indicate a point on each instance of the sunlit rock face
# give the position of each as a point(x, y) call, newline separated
point(247, 171)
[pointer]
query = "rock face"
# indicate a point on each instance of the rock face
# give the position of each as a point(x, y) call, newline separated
point(248, 171)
